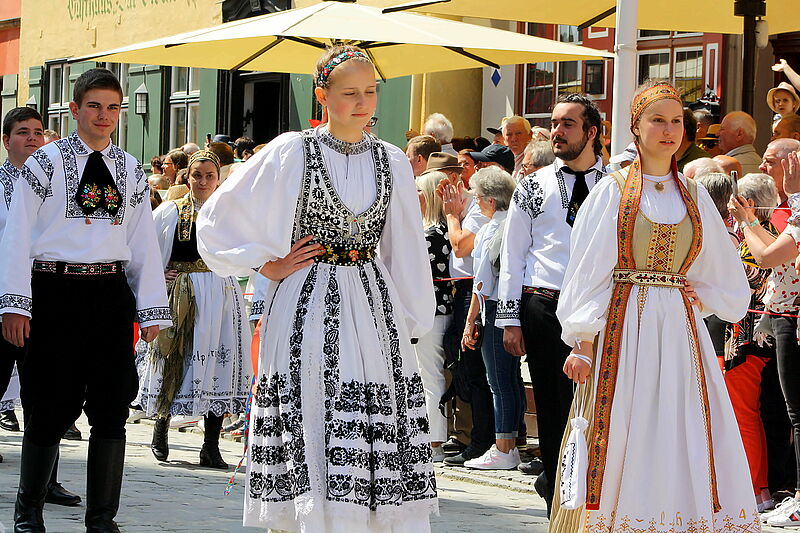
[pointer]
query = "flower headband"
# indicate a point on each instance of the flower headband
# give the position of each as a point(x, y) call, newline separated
point(662, 91)
point(325, 72)
point(204, 155)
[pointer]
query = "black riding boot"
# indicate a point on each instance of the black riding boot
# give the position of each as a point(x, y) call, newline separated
point(160, 444)
point(103, 484)
point(58, 495)
point(210, 455)
point(34, 472)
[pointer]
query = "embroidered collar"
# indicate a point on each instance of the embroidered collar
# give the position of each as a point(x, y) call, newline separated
point(344, 147)
point(10, 169)
point(81, 148)
point(560, 166)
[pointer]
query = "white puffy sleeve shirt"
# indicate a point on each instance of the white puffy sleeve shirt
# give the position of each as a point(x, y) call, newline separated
point(249, 220)
point(717, 273)
point(45, 223)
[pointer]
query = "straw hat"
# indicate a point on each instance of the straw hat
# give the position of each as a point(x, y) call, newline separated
point(712, 134)
point(783, 86)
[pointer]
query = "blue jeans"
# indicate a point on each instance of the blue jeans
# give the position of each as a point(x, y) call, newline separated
point(505, 378)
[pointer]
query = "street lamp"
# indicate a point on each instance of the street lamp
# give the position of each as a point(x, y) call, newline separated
point(31, 103)
point(140, 100)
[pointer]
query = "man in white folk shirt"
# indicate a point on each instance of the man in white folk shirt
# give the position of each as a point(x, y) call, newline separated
point(80, 265)
point(23, 134)
point(533, 259)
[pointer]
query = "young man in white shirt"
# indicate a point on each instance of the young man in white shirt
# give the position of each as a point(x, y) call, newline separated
point(533, 260)
point(80, 265)
point(23, 134)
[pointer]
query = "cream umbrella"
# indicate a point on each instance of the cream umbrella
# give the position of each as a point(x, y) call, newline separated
point(399, 43)
point(714, 16)
point(711, 16)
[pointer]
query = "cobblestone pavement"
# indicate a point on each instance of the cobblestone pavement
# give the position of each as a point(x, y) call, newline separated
point(180, 496)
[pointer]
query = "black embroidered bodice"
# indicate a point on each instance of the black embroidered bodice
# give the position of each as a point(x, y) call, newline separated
point(349, 238)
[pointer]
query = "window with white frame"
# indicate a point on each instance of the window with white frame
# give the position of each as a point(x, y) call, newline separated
point(688, 76)
point(570, 73)
point(654, 65)
point(58, 98)
point(184, 105)
point(595, 80)
point(539, 84)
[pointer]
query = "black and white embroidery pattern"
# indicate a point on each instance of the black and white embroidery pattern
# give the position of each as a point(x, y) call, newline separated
point(36, 186)
point(257, 310)
point(344, 147)
point(562, 186)
point(320, 211)
point(529, 196)
point(508, 309)
point(153, 313)
point(8, 175)
point(281, 396)
point(69, 148)
point(16, 301)
point(142, 187)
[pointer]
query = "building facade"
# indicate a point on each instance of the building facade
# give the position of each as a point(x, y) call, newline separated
point(182, 104)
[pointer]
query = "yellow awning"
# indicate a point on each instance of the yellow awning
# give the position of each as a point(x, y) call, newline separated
point(710, 16)
point(399, 43)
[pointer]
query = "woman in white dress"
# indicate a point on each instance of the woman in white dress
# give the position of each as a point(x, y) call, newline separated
point(339, 437)
point(650, 257)
point(201, 366)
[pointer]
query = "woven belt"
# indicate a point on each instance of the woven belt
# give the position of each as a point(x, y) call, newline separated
point(79, 269)
point(551, 294)
point(188, 266)
point(649, 277)
point(336, 254)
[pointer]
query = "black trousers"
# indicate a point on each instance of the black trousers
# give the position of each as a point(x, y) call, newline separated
point(788, 358)
point(474, 374)
point(80, 356)
point(9, 354)
point(552, 389)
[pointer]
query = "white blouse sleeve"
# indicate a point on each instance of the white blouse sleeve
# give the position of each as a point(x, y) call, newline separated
point(517, 239)
point(717, 273)
point(586, 293)
point(144, 271)
point(249, 219)
point(165, 218)
point(30, 191)
point(402, 248)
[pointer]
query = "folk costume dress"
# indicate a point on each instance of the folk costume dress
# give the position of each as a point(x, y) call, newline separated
point(665, 454)
point(339, 433)
point(215, 372)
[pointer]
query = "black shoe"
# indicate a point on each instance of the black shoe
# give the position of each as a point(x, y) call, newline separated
point(543, 490)
point(103, 484)
point(160, 446)
point(58, 495)
point(532, 468)
point(453, 446)
point(73, 433)
point(212, 458)
point(8, 421)
point(36, 466)
point(466, 455)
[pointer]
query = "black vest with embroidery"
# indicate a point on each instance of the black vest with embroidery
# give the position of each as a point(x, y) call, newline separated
point(349, 239)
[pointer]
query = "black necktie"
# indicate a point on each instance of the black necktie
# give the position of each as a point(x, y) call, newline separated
point(97, 188)
point(579, 193)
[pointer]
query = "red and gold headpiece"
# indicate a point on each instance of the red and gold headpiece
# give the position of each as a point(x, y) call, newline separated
point(662, 91)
